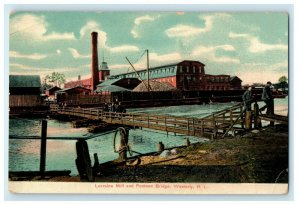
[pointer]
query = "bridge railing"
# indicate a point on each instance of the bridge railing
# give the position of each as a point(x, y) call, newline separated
point(209, 125)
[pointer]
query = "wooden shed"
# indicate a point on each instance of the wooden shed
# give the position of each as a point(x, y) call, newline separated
point(51, 92)
point(24, 90)
point(77, 91)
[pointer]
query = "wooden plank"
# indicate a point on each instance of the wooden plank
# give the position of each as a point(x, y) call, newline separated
point(43, 148)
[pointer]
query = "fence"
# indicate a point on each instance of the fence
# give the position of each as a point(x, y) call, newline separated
point(24, 100)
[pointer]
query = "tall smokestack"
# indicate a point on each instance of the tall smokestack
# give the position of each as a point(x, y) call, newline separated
point(95, 72)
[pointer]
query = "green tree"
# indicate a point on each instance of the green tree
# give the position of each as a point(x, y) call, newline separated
point(283, 79)
point(56, 78)
point(46, 84)
point(283, 82)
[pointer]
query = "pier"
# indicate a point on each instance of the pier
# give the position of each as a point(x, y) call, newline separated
point(208, 127)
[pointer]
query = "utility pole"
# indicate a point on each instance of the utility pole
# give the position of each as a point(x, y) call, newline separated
point(148, 87)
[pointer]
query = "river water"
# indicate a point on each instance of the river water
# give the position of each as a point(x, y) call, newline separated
point(61, 155)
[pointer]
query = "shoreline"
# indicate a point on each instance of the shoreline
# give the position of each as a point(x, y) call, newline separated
point(258, 156)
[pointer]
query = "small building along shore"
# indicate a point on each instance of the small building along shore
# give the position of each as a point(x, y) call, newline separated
point(24, 90)
point(50, 92)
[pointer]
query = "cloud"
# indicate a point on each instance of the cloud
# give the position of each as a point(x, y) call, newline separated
point(21, 66)
point(119, 66)
point(34, 56)
point(124, 48)
point(143, 19)
point(256, 46)
point(36, 28)
point(154, 60)
point(134, 33)
point(165, 58)
point(58, 52)
point(239, 35)
point(210, 53)
point(183, 31)
point(138, 21)
point(92, 26)
point(22, 69)
point(59, 36)
point(40, 69)
point(76, 54)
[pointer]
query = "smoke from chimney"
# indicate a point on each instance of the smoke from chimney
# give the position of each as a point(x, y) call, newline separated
point(95, 71)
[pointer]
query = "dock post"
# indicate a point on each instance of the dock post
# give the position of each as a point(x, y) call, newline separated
point(248, 120)
point(160, 147)
point(215, 128)
point(187, 142)
point(242, 117)
point(43, 148)
point(257, 123)
point(272, 123)
point(83, 161)
point(123, 144)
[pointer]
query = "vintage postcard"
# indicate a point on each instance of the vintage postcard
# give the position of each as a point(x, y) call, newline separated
point(148, 102)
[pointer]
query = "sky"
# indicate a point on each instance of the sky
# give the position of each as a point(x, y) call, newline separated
point(252, 46)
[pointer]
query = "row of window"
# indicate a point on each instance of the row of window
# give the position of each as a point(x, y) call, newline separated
point(168, 80)
point(217, 87)
point(217, 79)
point(161, 71)
point(188, 69)
point(191, 78)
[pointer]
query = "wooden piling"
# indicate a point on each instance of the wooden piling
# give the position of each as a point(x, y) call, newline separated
point(83, 161)
point(160, 147)
point(272, 123)
point(123, 144)
point(248, 120)
point(43, 148)
point(256, 114)
point(187, 142)
point(96, 165)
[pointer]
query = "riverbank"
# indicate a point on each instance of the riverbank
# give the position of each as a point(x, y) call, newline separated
point(259, 156)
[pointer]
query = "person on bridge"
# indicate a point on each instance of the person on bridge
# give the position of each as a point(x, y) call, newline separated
point(106, 108)
point(247, 99)
point(120, 108)
point(268, 99)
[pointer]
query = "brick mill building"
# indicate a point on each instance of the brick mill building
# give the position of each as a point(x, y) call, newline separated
point(185, 75)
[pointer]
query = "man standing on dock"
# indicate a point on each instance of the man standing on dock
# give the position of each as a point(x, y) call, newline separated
point(247, 99)
point(268, 99)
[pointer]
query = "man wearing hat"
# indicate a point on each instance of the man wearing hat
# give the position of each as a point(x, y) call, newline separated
point(268, 99)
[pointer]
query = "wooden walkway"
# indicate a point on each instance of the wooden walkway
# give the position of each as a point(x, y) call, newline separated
point(207, 127)
point(275, 118)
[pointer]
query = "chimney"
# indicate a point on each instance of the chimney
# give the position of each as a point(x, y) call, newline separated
point(79, 77)
point(95, 72)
